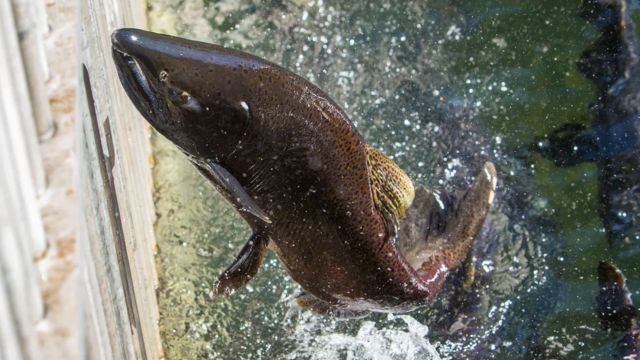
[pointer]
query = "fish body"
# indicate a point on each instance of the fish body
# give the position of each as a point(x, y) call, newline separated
point(294, 166)
point(612, 142)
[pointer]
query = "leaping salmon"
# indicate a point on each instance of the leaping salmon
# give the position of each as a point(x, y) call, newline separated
point(334, 209)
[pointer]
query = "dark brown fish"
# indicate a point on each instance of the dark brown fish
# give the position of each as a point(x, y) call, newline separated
point(292, 163)
point(613, 140)
point(616, 311)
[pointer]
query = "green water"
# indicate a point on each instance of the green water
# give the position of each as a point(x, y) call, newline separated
point(400, 69)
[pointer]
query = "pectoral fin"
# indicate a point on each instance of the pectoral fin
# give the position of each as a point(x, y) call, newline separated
point(244, 266)
point(391, 188)
point(232, 190)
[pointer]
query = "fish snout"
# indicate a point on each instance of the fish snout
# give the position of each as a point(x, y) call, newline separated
point(138, 80)
point(126, 40)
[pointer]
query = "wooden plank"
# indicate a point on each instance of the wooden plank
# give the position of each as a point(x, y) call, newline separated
point(16, 82)
point(116, 237)
point(29, 17)
point(21, 232)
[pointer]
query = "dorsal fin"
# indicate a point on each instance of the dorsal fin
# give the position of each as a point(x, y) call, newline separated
point(391, 188)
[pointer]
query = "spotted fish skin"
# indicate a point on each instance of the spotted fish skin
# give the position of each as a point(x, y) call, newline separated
point(295, 167)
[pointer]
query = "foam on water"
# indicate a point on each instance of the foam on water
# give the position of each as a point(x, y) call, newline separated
point(407, 340)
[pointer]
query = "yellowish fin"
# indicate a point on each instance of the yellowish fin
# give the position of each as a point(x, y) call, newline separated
point(391, 188)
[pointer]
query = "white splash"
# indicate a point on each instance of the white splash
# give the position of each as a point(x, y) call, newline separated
point(402, 342)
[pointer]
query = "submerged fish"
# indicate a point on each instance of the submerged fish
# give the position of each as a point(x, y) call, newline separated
point(333, 208)
point(616, 311)
point(613, 140)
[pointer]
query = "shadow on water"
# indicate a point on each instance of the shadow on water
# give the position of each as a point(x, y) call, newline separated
point(438, 86)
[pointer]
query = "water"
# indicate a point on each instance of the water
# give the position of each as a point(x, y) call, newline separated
point(438, 86)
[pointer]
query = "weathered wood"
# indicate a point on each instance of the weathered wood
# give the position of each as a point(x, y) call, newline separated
point(115, 239)
point(16, 81)
point(31, 21)
point(21, 232)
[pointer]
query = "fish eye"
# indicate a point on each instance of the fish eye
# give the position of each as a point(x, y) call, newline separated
point(186, 101)
point(164, 75)
point(184, 98)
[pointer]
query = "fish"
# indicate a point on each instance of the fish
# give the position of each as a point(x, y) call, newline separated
point(573, 144)
point(616, 311)
point(612, 141)
point(345, 221)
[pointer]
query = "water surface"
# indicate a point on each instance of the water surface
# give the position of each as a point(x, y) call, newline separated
point(436, 85)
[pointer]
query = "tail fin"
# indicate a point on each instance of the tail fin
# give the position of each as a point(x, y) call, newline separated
point(440, 228)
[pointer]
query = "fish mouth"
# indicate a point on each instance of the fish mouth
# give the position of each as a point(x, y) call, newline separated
point(136, 83)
